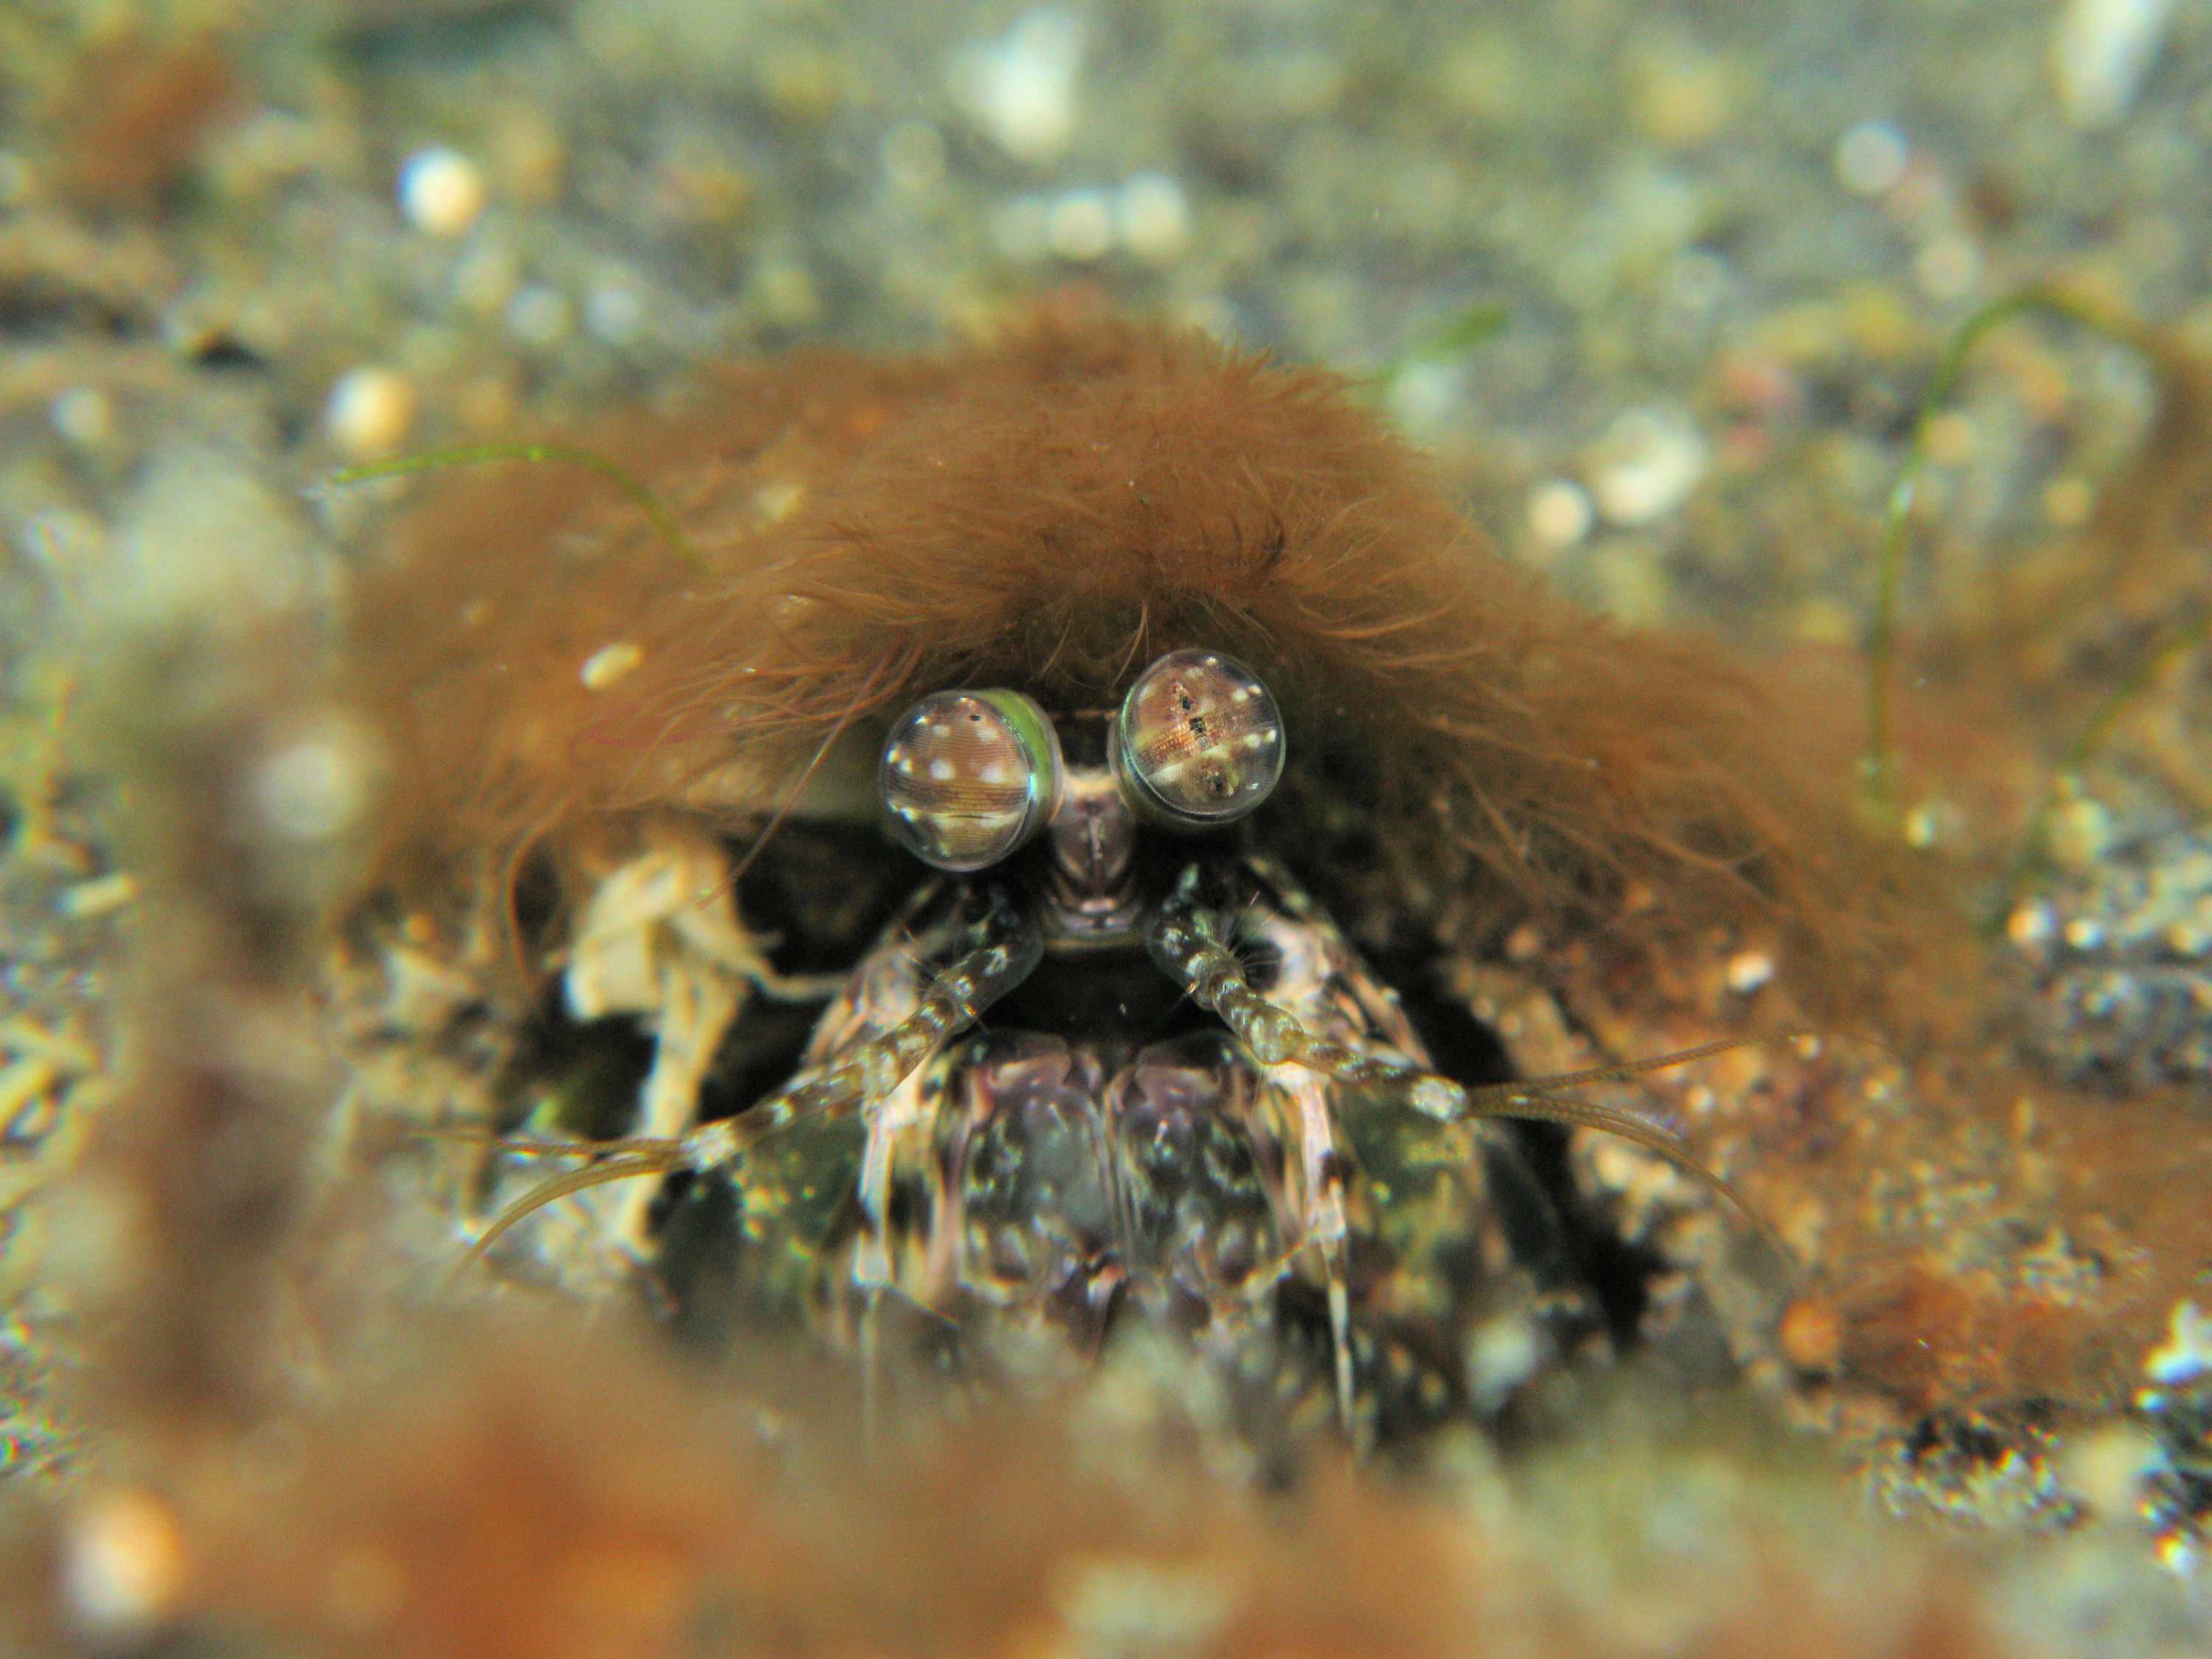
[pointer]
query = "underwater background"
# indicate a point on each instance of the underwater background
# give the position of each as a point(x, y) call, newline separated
point(1663, 291)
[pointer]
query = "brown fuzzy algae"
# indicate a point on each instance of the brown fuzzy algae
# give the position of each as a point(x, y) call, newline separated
point(1051, 513)
point(1631, 845)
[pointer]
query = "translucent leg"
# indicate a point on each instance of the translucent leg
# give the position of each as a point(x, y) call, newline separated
point(1004, 946)
point(1274, 1036)
point(888, 1121)
point(1188, 939)
point(1325, 1224)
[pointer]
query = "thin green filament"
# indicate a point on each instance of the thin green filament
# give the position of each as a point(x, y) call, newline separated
point(663, 521)
point(1458, 336)
point(1878, 770)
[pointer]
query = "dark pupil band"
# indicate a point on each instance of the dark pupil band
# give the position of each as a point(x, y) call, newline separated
point(1199, 741)
point(967, 777)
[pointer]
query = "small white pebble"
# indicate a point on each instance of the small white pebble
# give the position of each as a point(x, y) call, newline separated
point(2081, 832)
point(1947, 267)
point(2032, 924)
point(1870, 158)
point(1622, 1169)
point(1560, 513)
point(1647, 465)
point(369, 411)
point(312, 790)
point(1436, 1098)
point(83, 416)
point(1502, 1355)
point(1749, 970)
point(1020, 88)
point(2178, 1555)
point(778, 501)
point(2084, 934)
point(609, 664)
point(2105, 1467)
point(123, 1564)
point(2186, 1354)
point(440, 191)
point(2188, 938)
point(2100, 50)
point(613, 313)
point(1152, 216)
point(1079, 226)
point(1428, 397)
point(1129, 1605)
point(101, 896)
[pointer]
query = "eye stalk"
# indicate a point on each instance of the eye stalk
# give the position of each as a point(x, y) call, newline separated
point(1199, 742)
point(968, 777)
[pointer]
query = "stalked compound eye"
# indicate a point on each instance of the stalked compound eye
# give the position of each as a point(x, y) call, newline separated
point(968, 776)
point(1199, 742)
